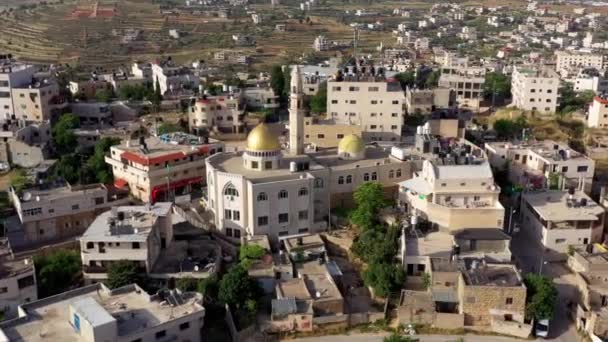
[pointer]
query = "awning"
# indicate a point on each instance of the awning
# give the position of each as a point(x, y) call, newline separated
point(418, 185)
point(120, 183)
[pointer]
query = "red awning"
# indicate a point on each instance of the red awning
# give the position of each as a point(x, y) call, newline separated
point(172, 185)
point(120, 183)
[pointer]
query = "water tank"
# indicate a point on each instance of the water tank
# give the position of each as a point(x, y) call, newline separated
point(293, 167)
point(224, 88)
point(427, 128)
point(419, 130)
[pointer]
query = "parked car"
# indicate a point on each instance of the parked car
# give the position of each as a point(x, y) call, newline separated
point(541, 328)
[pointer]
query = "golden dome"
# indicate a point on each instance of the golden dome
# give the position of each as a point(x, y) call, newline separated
point(351, 144)
point(261, 138)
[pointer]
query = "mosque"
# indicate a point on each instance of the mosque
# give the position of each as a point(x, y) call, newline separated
point(280, 193)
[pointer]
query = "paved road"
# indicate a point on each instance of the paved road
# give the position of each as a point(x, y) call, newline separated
point(422, 338)
point(529, 254)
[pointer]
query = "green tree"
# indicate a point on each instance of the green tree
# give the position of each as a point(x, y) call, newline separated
point(571, 101)
point(157, 96)
point(432, 79)
point(384, 278)
point(406, 79)
point(498, 85)
point(277, 80)
point(96, 163)
point(369, 199)
point(378, 244)
point(57, 272)
point(186, 284)
point(541, 296)
point(69, 167)
point(236, 287)
point(507, 129)
point(318, 102)
point(209, 288)
point(64, 138)
point(122, 273)
point(103, 95)
point(20, 181)
point(168, 127)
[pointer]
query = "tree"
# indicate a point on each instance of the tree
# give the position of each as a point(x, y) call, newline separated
point(541, 296)
point(277, 80)
point(103, 95)
point(157, 96)
point(97, 165)
point(406, 79)
point(369, 199)
point(249, 253)
point(384, 278)
point(186, 284)
point(395, 337)
point(236, 287)
point(432, 79)
point(209, 288)
point(507, 129)
point(497, 85)
point(20, 181)
point(318, 102)
point(122, 273)
point(64, 138)
point(167, 127)
point(378, 244)
point(57, 272)
point(571, 101)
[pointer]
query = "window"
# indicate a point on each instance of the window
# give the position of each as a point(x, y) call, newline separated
point(394, 115)
point(393, 126)
point(509, 301)
point(262, 220)
point(398, 173)
point(341, 180)
point(373, 89)
point(321, 136)
point(582, 168)
point(476, 198)
point(283, 233)
point(391, 174)
point(336, 88)
point(255, 165)
point(395, 101)
point(236, 215)
point(303, 230)
point(262, 196)
point(90, 245)
point(564, 169)
point(349, 179)
point(283, 194)
point(374, 102)
point(184, 326)
point(283, 218)
point(374, 176)
point(334, 101)
point(319, 183)
point(229, 232)
point(559, 241)
point(98, 200)
point(268, 165)
point(25, 282)
point(339, 136)
point(237, 233)
point(366, 177)
point(353, 88)
point(303, 215)
point(373, 126)
point(303, 192)
point(3, 289)
point(228, 214)
point(135, 245)
point(160, 334)
point(230, 190)
point(75, 207)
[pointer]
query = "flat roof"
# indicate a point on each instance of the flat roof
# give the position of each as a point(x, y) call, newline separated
point(470, 171)
point(194, 258)
point(52, 192)
point(158, 151)
point(556, 205)
point(304, 242)
point(477, 273)
point(132, 308)
point(482, 234)
point(548, 149)
point(294, 288)
point(92, 311)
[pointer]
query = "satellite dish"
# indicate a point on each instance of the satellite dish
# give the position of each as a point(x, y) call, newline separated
point(27, 196)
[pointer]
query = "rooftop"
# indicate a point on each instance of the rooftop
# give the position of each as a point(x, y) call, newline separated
point(304, 243)
point(9, 266)
point(293, 288)
point(126, 223)
point(132, 308)
point(193, 258)
point(548, 149)
point(478, 273)
point(537, 72)
point(556, 205)
point(50, 192)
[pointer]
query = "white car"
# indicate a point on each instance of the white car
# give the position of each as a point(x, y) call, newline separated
point(541, 328)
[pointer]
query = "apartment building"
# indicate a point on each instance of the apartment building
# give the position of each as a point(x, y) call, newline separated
point(222, 113)
point(25, 146)
point(542, 164)
point(579, 58)
point(453, 187)
point(598, 113)
point(535, 89)
point(425, 101)
point(87, 89)
point(173, 80)
point(259, 98)
point(54, 212)
point(38, 101)
point(161, 168)
point(467, 81)
point(370, 101)
point(12, 74)
point(17, 281)
point(95, 313)
point(327, 133)
point(558, 219)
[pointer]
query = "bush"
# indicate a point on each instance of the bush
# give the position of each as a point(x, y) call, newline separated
point(122, 273)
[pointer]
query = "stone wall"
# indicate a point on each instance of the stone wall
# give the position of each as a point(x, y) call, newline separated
point(478, 303)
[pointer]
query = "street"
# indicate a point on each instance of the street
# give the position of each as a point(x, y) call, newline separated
point(529, 255)
point(421, 338)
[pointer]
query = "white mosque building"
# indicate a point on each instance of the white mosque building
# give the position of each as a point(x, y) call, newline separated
point(265, 190)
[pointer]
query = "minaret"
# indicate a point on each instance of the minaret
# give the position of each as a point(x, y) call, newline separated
point(296, 113)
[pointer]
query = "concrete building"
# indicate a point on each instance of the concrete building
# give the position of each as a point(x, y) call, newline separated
point(598, 113)
point(263, 191)
point(535, 89)
point(25, 146)
point(558, 219)
point(12, 74)
point(51, 213)
point(92, 113)
point(370, 101)
point(87, 89)
point(579, 58)
point(38, 101)
point(425, 101)
point(95, 313)
point(161, 168)
point(543, 164)
point(327, 133)
point(259, 98)
point(173, 80)
point(17, 281)
point(468, 82)
point(222, 113)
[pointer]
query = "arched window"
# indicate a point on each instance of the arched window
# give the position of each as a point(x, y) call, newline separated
point(366, 177)
point(349, 179)
point(230, 190)
point(374, 176)
point(283, 194)
point(262, 196)
point(303, 192)
point(398, 172)
point(341, 180)
point(318, 183)
point(391, 174)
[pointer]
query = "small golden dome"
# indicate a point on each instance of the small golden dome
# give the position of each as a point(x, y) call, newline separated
point(351, 144)
point(261, 138)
